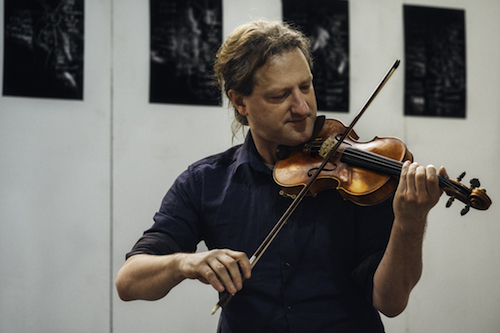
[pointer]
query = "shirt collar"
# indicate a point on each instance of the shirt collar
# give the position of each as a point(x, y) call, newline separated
point(248, 154)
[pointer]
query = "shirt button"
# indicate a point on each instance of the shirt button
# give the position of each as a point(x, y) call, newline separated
point(289, 308)
point(287, 265)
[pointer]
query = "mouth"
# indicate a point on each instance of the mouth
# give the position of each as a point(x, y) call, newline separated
point(301, 125)
point(299, 120)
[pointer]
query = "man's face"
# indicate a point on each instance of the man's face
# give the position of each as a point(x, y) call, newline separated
point(282, 107)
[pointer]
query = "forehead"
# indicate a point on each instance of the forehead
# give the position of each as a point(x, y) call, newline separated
point(283, 70)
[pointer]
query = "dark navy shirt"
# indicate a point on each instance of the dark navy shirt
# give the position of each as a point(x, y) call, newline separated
point(316, 276)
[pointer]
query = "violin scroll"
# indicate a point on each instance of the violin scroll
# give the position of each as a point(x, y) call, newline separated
point(472, 196)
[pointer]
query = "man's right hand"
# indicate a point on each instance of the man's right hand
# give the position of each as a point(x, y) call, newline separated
point(219, 268)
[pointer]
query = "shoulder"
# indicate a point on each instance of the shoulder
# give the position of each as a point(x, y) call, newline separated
point(201, 183)
point(220, 160)
point(209, 170)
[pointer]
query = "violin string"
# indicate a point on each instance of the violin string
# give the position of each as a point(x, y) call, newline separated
point(385, 164)
point(392, 166)
point(396, 166)
point(389, 165)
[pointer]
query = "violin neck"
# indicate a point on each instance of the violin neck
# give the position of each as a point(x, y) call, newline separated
point(371, 161)
point(385, 165)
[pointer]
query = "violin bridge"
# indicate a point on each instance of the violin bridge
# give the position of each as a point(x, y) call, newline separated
point(326, 147)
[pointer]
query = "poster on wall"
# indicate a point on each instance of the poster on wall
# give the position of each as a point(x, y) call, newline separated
point(43, 49)
point(326, 23)
point(185, 36)
point(435, 73)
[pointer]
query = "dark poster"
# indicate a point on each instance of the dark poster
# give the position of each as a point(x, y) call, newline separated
point(435, 82)
point(185, 36)
point(326, 24)
point(43, 54)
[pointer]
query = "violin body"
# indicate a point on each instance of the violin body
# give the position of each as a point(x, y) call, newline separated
point(358, 184)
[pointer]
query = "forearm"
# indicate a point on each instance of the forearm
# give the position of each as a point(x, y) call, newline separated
point(399, 270)
point(151, 277)
point(148, 277)
point(401, 266)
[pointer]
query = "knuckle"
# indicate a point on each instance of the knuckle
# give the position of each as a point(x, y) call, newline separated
point(218, 267)
point(420, 176)
point(210, 275)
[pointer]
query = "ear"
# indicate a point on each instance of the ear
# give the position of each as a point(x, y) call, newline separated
point(238, 102)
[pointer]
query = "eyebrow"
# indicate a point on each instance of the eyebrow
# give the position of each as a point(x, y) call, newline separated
point(283, 89)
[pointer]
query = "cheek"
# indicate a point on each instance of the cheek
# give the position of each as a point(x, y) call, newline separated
point(266, 115)
point(311, 101)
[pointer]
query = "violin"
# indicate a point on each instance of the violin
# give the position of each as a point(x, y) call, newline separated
point(365, 173)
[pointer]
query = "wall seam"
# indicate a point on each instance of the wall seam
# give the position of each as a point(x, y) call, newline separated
point(111, 167)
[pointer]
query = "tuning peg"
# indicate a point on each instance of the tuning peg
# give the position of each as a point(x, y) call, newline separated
point(461, 176)
point(474, 182)
point(449, 202)
point(465, 210)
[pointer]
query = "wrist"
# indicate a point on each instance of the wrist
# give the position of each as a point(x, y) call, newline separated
point(179, 266)
point(410, 225)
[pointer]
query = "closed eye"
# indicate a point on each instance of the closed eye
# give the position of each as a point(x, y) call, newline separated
point(279, 97)
point(306, 87)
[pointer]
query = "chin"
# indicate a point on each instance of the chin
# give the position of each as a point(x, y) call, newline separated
point(298, 139)
point(299, 134)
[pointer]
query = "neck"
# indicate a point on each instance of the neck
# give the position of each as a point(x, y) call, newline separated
point(268, 154)
point(266, 150)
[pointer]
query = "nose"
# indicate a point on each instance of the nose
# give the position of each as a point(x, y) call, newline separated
point(299, 104)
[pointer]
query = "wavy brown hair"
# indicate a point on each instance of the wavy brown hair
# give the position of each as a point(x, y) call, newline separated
point(247, 49)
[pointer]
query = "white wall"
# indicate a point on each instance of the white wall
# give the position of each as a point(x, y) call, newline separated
point(81, 180)
point(55, 200)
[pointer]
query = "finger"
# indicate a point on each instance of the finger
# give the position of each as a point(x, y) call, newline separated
point(421, 180)
point(410, 178)
point(211, 277)
point(243, 262)
point(432, 178)
point(246, 267)
point(233, 271)
point(443, 172)
point(433, 181)
point(404, 175)
point(222, 275)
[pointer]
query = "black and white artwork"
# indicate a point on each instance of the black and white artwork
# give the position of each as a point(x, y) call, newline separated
point(435, 71)
point(43, 53)
point(326, 23)
point(185, 36)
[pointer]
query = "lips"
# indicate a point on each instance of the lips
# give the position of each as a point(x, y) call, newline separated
point(298, 121)
point(302, 125)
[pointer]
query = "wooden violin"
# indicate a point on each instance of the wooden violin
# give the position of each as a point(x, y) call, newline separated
point(366, 173)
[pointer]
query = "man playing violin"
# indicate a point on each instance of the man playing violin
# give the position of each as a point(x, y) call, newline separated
point(334, 265)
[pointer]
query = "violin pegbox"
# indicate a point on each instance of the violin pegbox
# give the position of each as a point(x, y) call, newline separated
point(472, 196)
